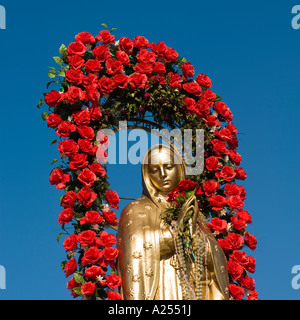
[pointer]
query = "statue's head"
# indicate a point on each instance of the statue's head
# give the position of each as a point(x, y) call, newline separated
point(162, 170)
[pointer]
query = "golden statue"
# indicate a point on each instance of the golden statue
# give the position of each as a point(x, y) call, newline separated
point(148, 264)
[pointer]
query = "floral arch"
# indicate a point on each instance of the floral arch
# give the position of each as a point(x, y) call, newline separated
point(102, 81)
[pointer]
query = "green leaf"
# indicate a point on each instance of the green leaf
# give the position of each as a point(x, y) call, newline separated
point(105, 26)
point(53, 161)
point(78, 278)
point(62, 73)
point(58, 60)
point(63, 49)
point(77, 290)
point(53, 141)
point(44, 115)
point(58, 237)
point(51, 73)
point(112, 29)
point(41, 101)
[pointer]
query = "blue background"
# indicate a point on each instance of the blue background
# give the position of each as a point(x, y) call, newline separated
point(251, 53)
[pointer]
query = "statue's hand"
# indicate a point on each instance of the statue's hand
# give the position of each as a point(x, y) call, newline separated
point(188, 211)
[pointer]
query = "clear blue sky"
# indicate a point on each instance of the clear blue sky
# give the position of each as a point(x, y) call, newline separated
point(251, 53)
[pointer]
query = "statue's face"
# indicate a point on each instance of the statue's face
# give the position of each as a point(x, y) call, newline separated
point(164, 174)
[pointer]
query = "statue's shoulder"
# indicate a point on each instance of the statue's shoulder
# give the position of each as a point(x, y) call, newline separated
point(138, 206)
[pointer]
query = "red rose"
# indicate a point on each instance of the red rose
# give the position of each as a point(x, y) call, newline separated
point(203, 80)
point(251, 264)
point(233, 142)
point(217, 202)
point(74, 76)
point(238, 224)
point(146, 57)
point(95, 113)
point(92, 256)
point(111, 253)
point(212, 163)
point(192, 88)
point(105, 37)
point(174, 80)
point(65, 128)
point(143, 67)
point(74, 94)
point(121, 80)
point(243, 214)
point(91, 217)
point(65, 216)
point(159, 48)
point(247, 283)
point(101, 53)
point(78, 160)
point(93, 65)
point(236, 291)
point(170, 55)
point(210, 187)
point(123, 57)
point(126, 45)
point(240, 173)
point(223, 134)
point(113, 66)
point(93, 272)
point(202, 108)
point(53, 120)
point(53, 98)
point(235, 202)
point(235, 269)
point(250, 240)
point(68, 199)
point(113, 281)
point(138, 80)
point(226, 173)
point(186, 184)
point(82, 117)
point(70, 267)
point(190, 105)
point(87, 177)
point(107, 239)
point(67, 147)
point(86, 196)
point(219, 147)
point(212, 121)
point(231, 189)
point(59, 178)
point(76, 62)
point(218, 224)
point(209, 95)
point(141, 42)
point(235, 240)
point(188, 69)
point(252, 295)
point(223, 110)
point(112, 198)
point(70, 242)
point(77, 48)
point(85, 37)
point(235, 157)
point(87, 146)
point(86, 132)
point(110, 217)
point(98, 169)
point(106, 85)
point(92, 93)
point(87, 237)
point(112, 295)
point(88, 288)
point(72, 284)
point(240, 257)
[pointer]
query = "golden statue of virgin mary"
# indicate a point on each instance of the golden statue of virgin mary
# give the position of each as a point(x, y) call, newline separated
point(148, 264)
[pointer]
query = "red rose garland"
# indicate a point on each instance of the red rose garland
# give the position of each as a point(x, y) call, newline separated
point(103, 81)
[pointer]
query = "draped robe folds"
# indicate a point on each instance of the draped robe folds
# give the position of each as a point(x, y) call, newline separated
point(147, 261)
